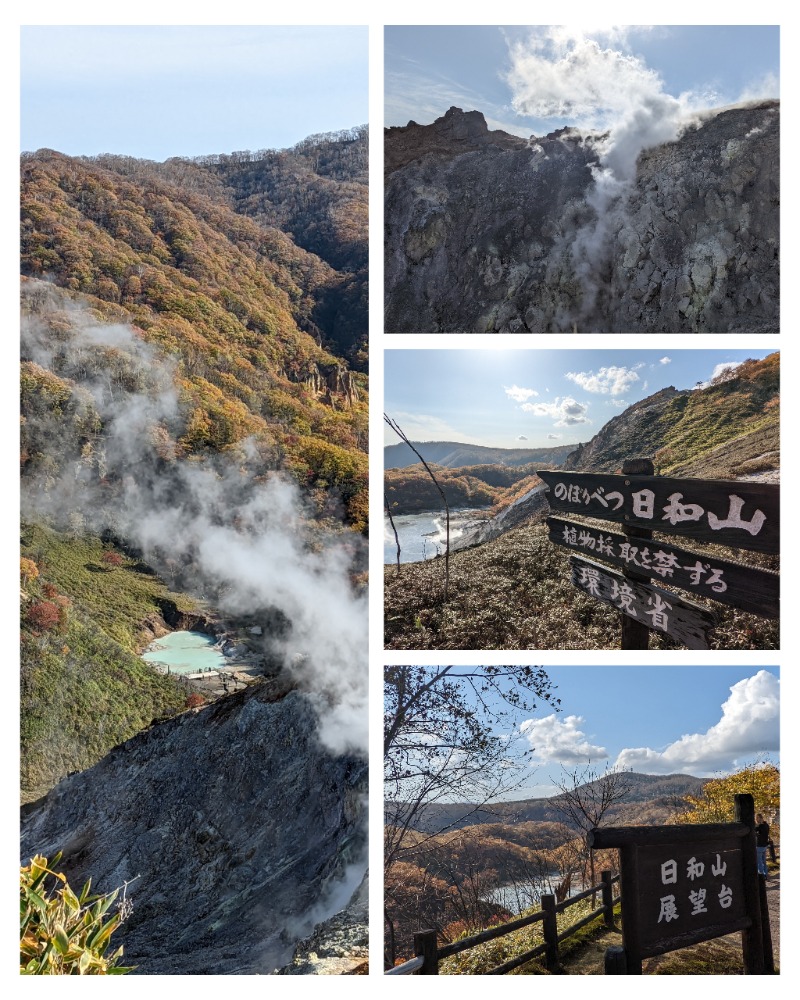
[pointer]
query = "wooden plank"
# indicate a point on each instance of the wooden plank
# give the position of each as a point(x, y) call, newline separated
point(738, 514)
point(689, 892)
point(658, 609)
point(744, 587)
point(604, 837)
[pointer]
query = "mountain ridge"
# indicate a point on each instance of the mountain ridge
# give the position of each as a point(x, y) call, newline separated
point(489, 237)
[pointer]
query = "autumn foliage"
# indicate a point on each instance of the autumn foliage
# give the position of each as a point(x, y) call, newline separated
point(43, 615)
point(760, 779)
point(28, 570)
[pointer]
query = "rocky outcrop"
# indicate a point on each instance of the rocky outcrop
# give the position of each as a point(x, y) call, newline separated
point(456, 132)
point(487, 235)
point(634, 432)
point(235, 820)
point(335, 385)
point(339, 946)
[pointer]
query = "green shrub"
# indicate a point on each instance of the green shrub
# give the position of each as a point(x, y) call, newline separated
point(62, 934)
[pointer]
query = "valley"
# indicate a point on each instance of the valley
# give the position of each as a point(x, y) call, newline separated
point(193, 450)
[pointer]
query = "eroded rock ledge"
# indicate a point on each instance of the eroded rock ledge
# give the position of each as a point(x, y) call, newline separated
point(233, 817)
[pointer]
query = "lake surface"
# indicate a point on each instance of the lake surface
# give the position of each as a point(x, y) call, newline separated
point(525, 895)
point(185, 653)
point(422, 536)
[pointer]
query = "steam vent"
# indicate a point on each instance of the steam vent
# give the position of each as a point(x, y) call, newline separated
point(488, 232)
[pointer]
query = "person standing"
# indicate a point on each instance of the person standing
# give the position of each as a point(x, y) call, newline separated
point(762, 840)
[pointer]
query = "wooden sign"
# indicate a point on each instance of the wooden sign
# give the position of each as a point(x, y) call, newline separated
point(655, 608)
point(730, 583)
point(689, 893)
point(689, 883)
point(739, 514)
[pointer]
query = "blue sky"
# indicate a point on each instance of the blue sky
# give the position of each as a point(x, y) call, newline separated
point(187, 90)
point(532, 80)
point(531, 398)
point(699, 720)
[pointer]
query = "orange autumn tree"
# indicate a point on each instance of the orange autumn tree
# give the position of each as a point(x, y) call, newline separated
point(761, 779)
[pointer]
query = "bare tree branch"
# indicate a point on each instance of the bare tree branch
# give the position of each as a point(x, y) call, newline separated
point(401, 434)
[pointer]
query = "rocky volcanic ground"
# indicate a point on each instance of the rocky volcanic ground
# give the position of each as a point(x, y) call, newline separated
point(486, 232)
point(236, 822)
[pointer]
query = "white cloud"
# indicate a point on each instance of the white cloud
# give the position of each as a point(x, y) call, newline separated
point(518, 394)
point(597, 84)
point(749, 725)
point(566, 411)
point(665, 361)
point(556, 739)
point(521, 437)
point(554, 437)
point(620, 404)
point(615, 379)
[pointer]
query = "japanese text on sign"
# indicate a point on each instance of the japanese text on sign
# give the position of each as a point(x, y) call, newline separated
point(693, 897)
point(675, 511)
point(651, 557)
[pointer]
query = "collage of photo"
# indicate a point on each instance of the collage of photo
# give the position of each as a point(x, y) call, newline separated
point(573, 637)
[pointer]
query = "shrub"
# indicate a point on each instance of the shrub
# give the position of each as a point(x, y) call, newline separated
point(62, 934)
point(28, 569)
point(195, 700)
point(112, 559)
point(43, 615)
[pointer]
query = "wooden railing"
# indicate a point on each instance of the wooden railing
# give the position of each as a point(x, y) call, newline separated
point(428, 954)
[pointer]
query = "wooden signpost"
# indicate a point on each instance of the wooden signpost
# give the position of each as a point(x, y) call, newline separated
point(653, 607)
point(684, 884)
point(739, 515)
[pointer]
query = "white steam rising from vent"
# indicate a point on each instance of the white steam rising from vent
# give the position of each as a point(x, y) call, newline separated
point(221, 529)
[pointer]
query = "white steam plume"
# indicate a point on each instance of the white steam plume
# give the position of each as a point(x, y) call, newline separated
point(560, 72)
point(601, 88)
point(225, 532)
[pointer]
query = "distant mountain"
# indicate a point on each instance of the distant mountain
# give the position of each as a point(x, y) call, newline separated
point(646, 790)
point(455, 455)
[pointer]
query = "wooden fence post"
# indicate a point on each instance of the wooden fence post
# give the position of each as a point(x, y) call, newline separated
point(550, 931)
point(636, 635)
point(425, 945)
point(614, 961)
point(608, 898)
point(766, 930)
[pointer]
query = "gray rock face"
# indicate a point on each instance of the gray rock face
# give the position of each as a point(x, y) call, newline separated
point(633, 433)
point(487, 236)
point(235, 819)
point(531, 506)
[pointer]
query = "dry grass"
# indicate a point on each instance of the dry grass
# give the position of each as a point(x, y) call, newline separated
point(514, 593)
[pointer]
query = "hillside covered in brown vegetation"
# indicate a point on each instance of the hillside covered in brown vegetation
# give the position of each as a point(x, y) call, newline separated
point(514, 592)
